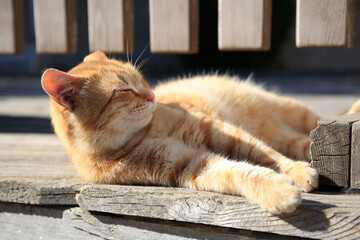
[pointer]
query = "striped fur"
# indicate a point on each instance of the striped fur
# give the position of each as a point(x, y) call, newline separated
point(211, 133)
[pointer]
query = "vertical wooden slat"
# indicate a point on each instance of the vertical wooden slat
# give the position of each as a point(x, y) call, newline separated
point(55, 26)
point(111, 25)
point(325, 23)
point(12, 27)
point(174, 26)
point(244, 24)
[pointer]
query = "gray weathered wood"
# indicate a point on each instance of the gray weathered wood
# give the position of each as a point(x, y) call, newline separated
point(325, 23)
point(35, 170)
point(121, 227)
point(21, 221)
point(355, 156)
point(174, 26)
point(330, 149)
point(12, 40)
point(55, 26)
point(319, 216)
point(111, 25)
point(244, 24)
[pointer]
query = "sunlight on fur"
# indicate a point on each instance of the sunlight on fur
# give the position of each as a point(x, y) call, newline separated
point(209, 132)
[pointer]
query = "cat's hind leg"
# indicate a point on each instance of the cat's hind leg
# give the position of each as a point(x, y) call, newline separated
point(238, 144)
point(292, 143)
point(171, 162)
point(296, 115)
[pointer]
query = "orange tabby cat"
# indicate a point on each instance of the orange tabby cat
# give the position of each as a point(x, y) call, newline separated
point(202, 133)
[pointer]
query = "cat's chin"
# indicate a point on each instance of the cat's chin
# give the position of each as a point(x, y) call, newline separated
point(143, 114)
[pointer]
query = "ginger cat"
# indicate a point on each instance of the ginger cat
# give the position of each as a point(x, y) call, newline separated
point(202, 133)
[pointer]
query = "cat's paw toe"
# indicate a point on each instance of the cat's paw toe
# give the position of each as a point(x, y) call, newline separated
point(304, 175)
point(282, 196)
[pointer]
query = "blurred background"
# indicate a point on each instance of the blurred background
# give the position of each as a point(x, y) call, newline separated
point(283, 67)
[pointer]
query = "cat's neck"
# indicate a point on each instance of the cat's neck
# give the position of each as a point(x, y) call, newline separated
point(112, 145)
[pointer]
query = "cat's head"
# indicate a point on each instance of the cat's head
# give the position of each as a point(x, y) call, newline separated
point(101, 96)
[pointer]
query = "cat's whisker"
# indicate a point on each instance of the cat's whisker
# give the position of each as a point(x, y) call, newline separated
point(143, 62)
point(141, 53)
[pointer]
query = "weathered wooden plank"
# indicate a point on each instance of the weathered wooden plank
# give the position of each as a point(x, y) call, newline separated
point(244, 24)
point(110, 226)
point(21, 221)
point(174, 26)
point(319, 216)
point(12, 40)
point(35, 170)
point(60, 192)
point(55, 26)
point(330, 149)
point(325, 23)
point(111, 25)
point(355, 156)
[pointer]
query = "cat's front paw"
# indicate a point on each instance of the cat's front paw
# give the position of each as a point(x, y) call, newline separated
point(304, 175)
point(282, 195)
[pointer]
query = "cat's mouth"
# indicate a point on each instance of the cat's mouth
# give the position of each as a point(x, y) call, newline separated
point(143, 112)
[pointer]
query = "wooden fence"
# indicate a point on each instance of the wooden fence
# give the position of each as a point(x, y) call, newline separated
point(174, 25)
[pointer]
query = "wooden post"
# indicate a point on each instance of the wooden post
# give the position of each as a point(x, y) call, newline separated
point(325, 23)
point(55, 26)
point(355, 156)
point(244, 24)
point(335, 150)
point(174, 26)
point(12, 27)
point(111, 25)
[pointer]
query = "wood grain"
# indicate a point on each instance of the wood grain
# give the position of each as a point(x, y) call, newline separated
point(12, 39)
point(319, 216)
point(55, 26)
point(111, 25)
point(174, 26)
point(35, 170)
point(111, 226)
point(325, 23)
point(330, 149)
point(244, 24)
point(21, 221)
point(355, 156)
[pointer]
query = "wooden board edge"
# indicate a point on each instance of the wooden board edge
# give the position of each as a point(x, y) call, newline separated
point(355, 156)
point(71, 26)
point(267, 26)
point(128, 19)
point(350, 23)
point(19, 24)
point(194, 27)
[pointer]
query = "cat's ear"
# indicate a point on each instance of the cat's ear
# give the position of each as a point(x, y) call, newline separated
point(62, 87)
point(95, 56)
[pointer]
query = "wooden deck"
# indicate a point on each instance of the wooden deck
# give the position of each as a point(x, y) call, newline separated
point(41, 194)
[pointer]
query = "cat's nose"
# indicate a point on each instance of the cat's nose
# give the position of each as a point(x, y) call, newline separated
point(147, 94)
point(151, 97)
